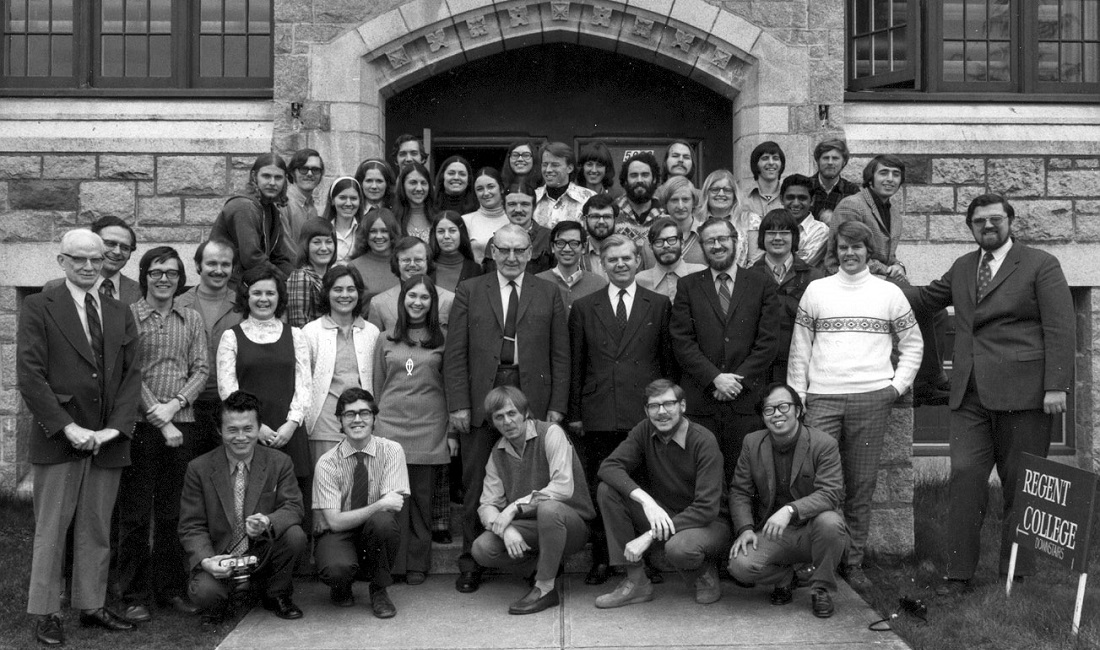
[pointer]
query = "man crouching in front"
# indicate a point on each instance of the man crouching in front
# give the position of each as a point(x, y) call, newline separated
point(240, 517)
point(535, 501)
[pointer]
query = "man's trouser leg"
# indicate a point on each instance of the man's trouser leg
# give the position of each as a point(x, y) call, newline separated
point(821, 541)
point(691, 551)
point(593, 448)
point(729, 428)
point(623, 519)
point(275, 576)
point(556, 532)
point(475, 446)
point(414, 520)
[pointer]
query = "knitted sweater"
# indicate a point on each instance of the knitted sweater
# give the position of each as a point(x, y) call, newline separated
point(843, 337)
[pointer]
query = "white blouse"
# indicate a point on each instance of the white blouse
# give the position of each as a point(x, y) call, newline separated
point(265, 332)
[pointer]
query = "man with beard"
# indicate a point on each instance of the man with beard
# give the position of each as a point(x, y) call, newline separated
point(619, 342)
point(251, 222)
point(840, 365)
point(678, 161)
point(120, 242)
point(812, 234)
point(666, 243)
point(725, 322)
point(560, 199)
point(304, 172)
point(829, 187)
point(567, 275)
point(507, 328)
point(216, 303)
point(682, 505)
point(407, 150)
point(601, 213)
point(519, 205)
point(636, 207)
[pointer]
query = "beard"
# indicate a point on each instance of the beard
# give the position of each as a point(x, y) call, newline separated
point(725, 265)
point(640, 191)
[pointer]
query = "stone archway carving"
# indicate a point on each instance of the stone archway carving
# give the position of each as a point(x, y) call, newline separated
point(351, 77)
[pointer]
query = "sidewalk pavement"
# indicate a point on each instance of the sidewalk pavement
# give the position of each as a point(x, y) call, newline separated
point(434, 615)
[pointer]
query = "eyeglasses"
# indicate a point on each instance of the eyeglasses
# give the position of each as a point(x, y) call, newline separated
point(125, 248)
point(82, 261)
point(778, 233)
point(598, 216)
point(720, 190)
point(312, 171)
point(157, 274)
point(365, 414)
point(667, 242)
point(723, 239)
point(782, 407)
point(993, 221)
point(653, 408)
point(571, 244)
point(520, 156)
point(508, 252)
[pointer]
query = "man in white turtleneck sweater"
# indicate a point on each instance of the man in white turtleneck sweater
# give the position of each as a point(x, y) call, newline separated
point(840, 366)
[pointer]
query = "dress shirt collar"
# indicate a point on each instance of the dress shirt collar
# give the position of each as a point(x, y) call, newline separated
point(679, 436)
point(527, 437)
point(571, 279)
point(145, 310)
point(299, 197)
point(613, 293)
point(329, 324)
point(731, 271)
point(347, 450)
point(786, 264)
point(999, 254)
point(677, 268)
point(78, 294)
point(806, 221)
point(504, 281)
point(233, 461)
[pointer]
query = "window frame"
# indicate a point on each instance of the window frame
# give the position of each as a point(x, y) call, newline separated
point(913, 45)
point(86, 80)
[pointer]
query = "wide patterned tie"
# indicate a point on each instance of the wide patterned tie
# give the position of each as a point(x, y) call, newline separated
point(107, 288)
point(724, 292)
point(780, 272)
point(985, 275)
point(360, 483)
point(620, 311)
point(508, 346)
point(240, 536)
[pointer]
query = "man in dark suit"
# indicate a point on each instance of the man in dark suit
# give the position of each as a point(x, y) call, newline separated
point(619, 342)
point(1014, 354)
point(725, 323)
point(120, 242)
point(79, 376)
point(507, 329)
point(238, 501)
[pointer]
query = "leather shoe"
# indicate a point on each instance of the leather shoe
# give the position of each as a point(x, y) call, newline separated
point(856, 578)
point(707, 589)
point(47, 630)
point(137, 614)
point(342, 596)
point(181, 605)
point(535, 601)
point(442, 537)
point(821, 602)
point(782, 594)
point(598, 574)
point(468, 582)
point(415, 578)
point(627, 593)
point(283, 607)
point(105, 619)
point(381, 604)
point(951, 587)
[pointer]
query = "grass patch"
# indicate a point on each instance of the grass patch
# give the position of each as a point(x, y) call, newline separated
point(1038, 614)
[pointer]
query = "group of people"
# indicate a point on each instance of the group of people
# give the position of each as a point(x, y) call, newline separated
point(708, 372)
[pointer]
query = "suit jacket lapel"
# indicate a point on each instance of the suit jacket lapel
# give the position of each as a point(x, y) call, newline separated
point(492, 290)
point(1008, 267)
point(767, 461)
point(877, 214)
point(114, 326)
point(970, 271)
point(707, 280)
point(63, 311)
point(638, 313)
point(219, 478)
point(801, 452)
point(738, 290)
point(257, 476)
point(525, 295)
point(605, 312)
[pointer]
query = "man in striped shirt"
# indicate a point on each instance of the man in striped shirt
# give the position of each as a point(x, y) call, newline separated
point(359, 486)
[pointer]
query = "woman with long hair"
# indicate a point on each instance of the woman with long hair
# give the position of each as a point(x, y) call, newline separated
point(344, 211)
point(597, 169)
point(373, 248)
point(377, 180)
point(408, 380)
point(454, 186)
point(316, 255)
point(521, 166)
point(450, 248)
point(414, 205)
point(482, 223)
point(720, 201)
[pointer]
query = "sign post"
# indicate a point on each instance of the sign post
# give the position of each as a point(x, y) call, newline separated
point(1053, 515)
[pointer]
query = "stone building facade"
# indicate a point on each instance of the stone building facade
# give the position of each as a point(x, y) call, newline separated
point(167, 163)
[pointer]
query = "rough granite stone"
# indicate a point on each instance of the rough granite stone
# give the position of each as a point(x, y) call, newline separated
point(43, 195)
point(27, 226)
point(1082, 207)
point(1087, 163)
point(1016, 176)
point(891, 531)
point(201, 212)
point(8, 299)
point(292, 77)
point(164, 210)
point(1039, 227)
point(68, 167)
point(192, 175)
point(169, 235)
point(1060, 163)
point(146, 188)
point(99, 198)
point(964, 194)
point(958, 170)
point(126, 167)
point(20, 167)
point(1088, 228)
point(1085, 183)
point(894, 487)
point(925, 199)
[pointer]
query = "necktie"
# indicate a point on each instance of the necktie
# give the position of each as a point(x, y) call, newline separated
point(107, 288)
point(240, 537)
point(985, 274)
point(724, 292)
point(360, 483)
point(508, 347)
point(779, 272)
point(620, 311)
point(95, 331)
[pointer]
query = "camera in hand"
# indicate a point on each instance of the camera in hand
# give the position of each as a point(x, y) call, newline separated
point(240, 569)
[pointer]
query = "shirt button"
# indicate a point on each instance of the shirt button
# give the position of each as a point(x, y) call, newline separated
point(95, 375)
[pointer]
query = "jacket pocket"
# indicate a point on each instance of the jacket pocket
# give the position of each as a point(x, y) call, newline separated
point(1030, 355)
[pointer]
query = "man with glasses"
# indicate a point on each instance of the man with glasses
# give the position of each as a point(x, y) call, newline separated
point(618, 342)
point(174, 366)
point(410, 257)
point(120, 242)
point(560, 199)
point(725, 325)
point(682, 506)
point(840, 365)
point(667, 244)
point(360, 486)
point(1014, 359)
point(78, 373)
point(519, 206)
point(785, 502)
point(304, 173)
point(507, 328)
point(566, 240)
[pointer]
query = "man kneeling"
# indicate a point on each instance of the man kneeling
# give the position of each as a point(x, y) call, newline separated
point(788, 484)
point(240, 516)
point(535, 500)
point(685, 508)
point(359, 486)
